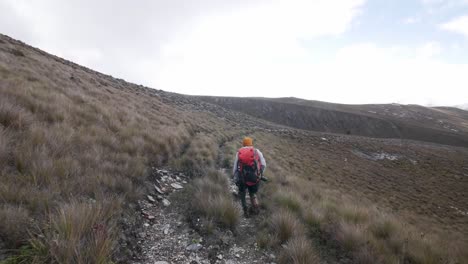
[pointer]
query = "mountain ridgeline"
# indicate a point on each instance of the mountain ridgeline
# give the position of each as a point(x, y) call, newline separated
point(443, 125)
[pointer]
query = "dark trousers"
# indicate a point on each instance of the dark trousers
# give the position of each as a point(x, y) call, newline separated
point(252, 194)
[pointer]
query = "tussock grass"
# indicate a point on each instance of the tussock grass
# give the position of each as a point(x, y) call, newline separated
point(351, 226)
point(286, 225)
point(12, 217)
point(80, 232)
point(288, 200)
point(69, 136)
point(199, 157)
point(5, 149)
point(299, 250)
point(368, 235)
point(212, 201)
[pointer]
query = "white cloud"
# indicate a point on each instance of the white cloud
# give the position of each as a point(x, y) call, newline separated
point(429, 49)
point(444, 3)
point(411, 20)
point(238, 48)
point(362, 73)
point(251, 47)
point(457, 25)
point(385, 75)
point(260, 54)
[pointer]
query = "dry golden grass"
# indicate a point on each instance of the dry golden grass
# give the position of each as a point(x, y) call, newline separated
point(79, 232)
point(286, 225)
point(211, 200)
point(299, 250)
point(72, 140)
point(353, 227)
point(12, 217)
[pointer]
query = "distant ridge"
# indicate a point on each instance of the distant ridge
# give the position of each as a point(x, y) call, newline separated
point(443, 125)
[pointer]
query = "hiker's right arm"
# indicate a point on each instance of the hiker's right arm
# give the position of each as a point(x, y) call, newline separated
point(262, 160)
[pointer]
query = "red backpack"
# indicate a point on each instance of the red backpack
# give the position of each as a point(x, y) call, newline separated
point(249, 165)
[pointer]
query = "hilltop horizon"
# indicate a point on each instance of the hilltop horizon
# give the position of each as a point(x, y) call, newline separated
point(347, 51)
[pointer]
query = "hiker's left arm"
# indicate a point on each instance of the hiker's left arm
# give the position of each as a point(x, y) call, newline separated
point(234, 167)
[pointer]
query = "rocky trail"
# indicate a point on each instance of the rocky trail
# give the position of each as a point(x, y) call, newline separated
point(169, 235)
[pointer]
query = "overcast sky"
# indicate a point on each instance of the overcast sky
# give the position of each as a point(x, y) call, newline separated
point(344, 51)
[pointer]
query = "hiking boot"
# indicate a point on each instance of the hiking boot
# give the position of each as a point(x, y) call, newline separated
point(254, 211)
point(246, 213)
point(255, 206)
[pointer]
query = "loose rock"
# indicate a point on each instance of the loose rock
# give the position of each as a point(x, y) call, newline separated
point(158, 189)
point(151, 198)
point(194, 247)
point(176, 186)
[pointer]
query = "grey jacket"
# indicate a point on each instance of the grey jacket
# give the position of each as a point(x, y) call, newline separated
point(262, 161)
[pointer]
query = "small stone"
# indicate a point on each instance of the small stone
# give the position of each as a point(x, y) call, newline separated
point(272, 256)
point(237, 256)
point(194, 247)
point(220, 256)
point(161, 262)
point(151, 198)
point(176, 186)
point(146, 224)
point(184, 182)
point(166, 231)
point(151, 217)
point(158, 189)
point(166, 202)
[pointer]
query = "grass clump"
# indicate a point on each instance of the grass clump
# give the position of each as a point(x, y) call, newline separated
point(199, 156)
point(12, 219)
point(79, 232)
point(285, 225)
point(298, 250)
point(212, 201)
point(288, 201)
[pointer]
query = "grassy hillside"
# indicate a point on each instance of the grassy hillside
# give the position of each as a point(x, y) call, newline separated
point(77, 148)
point(439, 125)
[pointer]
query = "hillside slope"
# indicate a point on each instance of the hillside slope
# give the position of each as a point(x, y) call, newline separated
point(80, 151)
point(439, 125)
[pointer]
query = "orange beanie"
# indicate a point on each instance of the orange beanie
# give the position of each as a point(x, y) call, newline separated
point(247, 142)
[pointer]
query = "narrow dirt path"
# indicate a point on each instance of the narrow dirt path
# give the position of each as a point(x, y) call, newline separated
point(169, 237)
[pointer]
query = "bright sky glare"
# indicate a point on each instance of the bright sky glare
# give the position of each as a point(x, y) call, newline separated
point(343, 51)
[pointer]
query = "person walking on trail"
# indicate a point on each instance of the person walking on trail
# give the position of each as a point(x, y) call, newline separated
point(248, 169)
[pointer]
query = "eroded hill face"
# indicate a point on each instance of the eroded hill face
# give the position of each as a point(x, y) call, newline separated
point(440, 125)
point(77, 146)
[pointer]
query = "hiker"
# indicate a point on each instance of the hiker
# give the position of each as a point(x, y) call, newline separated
point(248, 169)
